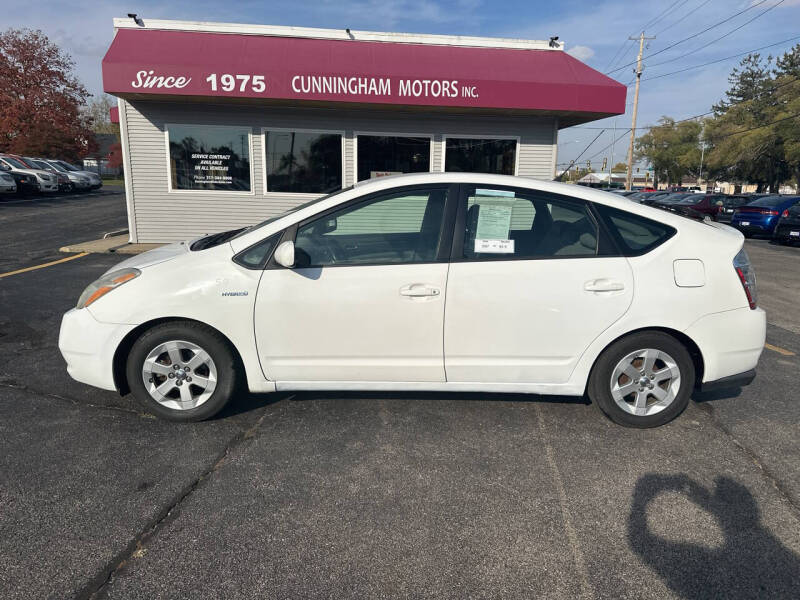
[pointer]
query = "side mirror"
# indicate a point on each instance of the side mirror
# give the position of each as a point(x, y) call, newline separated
point(284, 254)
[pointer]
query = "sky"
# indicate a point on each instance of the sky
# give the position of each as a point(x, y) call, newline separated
point(595, 31)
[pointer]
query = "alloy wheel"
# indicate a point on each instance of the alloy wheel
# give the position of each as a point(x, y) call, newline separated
point(645, 382)
point(179, 375)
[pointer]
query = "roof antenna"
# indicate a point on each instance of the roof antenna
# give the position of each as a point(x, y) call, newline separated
point(554, 42)
point(136, 19)
point(350, 35)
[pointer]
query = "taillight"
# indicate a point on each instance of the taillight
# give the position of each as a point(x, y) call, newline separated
point(771, 212)
point(785, 213)
point(747, 277)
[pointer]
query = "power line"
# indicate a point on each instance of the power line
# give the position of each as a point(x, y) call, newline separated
point(694, 10)
point(574, 160)
point(614, 58)
point(686, 39)
point(727, 135)
point(719, 60)
point(714, 41)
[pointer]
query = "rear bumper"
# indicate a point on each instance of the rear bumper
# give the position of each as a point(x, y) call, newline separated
point(731, 342)
point(784, 231)
point(731, 381)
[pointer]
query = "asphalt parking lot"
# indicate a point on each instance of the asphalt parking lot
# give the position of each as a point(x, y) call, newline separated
point(379, 495)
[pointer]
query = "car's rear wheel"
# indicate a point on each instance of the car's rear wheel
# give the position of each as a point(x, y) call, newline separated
point(643, 380)
point(182, 371)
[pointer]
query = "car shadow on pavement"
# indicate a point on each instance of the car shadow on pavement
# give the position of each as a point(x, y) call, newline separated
point(722, 394)
point(749, 561)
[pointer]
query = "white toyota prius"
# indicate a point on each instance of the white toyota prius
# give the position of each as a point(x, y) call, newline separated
point(438, 282)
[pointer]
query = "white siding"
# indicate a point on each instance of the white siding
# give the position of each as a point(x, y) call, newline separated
point(161, 216)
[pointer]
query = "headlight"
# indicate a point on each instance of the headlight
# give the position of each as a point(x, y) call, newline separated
point(105, 284)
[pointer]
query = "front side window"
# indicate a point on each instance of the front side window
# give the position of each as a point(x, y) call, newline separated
point(393, 228)
point(209, 158)
point(472, 155)
point(301, 162)
point(380, 155)
point(503, 223)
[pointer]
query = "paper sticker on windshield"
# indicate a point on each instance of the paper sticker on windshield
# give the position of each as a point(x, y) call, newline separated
point(494, 246)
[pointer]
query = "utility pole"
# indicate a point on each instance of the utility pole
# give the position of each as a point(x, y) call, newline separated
point(702, 152)
point(629, 178)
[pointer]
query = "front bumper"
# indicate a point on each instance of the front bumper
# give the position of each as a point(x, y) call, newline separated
point(731, 342)
point(48, 186)
point(88, 346)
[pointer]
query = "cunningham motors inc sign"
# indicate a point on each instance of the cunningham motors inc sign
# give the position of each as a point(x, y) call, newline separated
point(190, 63)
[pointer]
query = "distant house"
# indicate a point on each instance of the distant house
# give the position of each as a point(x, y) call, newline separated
point(98, 161)
point(617, 180)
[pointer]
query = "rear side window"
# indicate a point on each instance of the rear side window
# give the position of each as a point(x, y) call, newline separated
point(634, 235)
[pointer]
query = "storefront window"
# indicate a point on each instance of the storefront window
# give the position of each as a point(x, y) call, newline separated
point(303, 162)
point(380, 155)
point(480, 155)
point(203, 157)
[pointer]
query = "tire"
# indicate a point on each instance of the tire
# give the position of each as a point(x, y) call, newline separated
point(191, 373)
point(665, 393)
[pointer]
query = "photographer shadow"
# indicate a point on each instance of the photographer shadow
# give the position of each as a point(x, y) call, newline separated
point(750, 563)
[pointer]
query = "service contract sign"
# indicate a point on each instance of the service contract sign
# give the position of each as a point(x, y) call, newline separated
point(494, 221)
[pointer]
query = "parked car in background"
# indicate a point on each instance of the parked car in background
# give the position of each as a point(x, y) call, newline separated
point(7, 184)
point(760, 216)
point(707, 205)
point(649, 198)
point(25, 182)
point(64, 184)
point(729, 204)
point(492, 283)
point(95, 181)
point(72, 181)
point(45, 181)
point(787, 230)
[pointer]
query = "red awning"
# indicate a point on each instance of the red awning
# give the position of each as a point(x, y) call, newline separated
point(183, 63)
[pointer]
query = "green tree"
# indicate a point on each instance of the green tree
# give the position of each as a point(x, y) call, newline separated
point(672, 148)
point(752, 137)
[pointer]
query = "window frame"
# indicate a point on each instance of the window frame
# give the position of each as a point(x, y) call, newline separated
point(446, 238)
point(391, 134)
point(171, 190)
point(477, 136)
point(606, 245)
point(307, 195)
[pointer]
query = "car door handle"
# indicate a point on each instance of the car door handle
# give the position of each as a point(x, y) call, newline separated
point(603, 285)
point(419, 290)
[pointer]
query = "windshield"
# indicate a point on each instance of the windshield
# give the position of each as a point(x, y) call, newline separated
point(67, 166)
point(57, 166)
point(695, 199)
point(15, 163)
point(290, 211)
point(37, 164)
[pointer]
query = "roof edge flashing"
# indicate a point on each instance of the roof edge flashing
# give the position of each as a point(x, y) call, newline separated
point(337, 34)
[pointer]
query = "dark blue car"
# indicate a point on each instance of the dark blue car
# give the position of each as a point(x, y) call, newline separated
point(760, 216)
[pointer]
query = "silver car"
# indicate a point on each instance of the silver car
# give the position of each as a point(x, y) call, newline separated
point(7, 184)
point(95, 181)
point(77, 181)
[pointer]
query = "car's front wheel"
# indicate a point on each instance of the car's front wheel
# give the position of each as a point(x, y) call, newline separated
point(643, 380)
point(182, 371)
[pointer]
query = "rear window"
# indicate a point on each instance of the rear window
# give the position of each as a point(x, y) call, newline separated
point(768, 202)
point(633, 234)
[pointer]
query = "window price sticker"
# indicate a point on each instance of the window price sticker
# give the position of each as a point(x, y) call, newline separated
point(494, 246)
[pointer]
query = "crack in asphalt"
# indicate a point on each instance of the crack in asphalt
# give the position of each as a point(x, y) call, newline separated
point(97, 587)
point(74, 401)
point(783, 491)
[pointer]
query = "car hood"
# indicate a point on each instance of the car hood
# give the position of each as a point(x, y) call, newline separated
point(153, 257)
point(33, 171)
